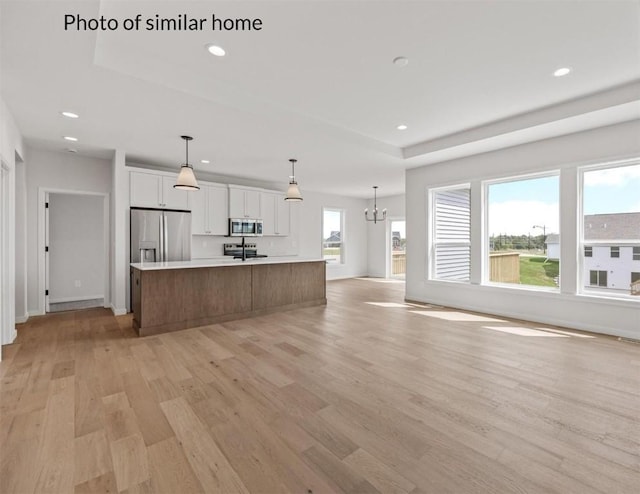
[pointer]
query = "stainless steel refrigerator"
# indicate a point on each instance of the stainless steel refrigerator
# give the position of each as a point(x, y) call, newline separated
point(160, 235)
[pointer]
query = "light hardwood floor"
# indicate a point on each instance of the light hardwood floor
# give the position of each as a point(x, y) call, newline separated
point(351, 397)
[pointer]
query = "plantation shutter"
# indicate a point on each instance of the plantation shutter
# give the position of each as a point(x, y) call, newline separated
point(452, 239)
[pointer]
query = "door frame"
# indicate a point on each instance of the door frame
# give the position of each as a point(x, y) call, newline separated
point(388, 249)
point(43, 265)
point(8, 331)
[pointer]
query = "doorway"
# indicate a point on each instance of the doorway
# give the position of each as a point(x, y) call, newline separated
point(75, 251)
point(398, 245)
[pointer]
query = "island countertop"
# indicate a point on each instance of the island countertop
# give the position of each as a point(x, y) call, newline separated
point(220, 262)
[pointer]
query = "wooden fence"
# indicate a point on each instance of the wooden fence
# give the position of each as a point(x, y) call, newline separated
point(504, 267)
point(399, 263)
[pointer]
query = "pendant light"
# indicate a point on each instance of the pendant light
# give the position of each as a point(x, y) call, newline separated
point(375, 211)
point(186, 179)
point(293, 192)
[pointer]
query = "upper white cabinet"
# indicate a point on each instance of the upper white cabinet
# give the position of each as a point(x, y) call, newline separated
point(174, 198)
point(244, 202)
point(276, 215)
point(209, 210)
point(155, 190)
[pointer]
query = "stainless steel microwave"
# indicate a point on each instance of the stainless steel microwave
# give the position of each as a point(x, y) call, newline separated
point(245, 227)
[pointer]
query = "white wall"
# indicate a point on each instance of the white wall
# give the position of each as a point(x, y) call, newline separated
point(567, 308)
point(62, 172)
point(379, 234)
point(119, 226)
point(76, 247)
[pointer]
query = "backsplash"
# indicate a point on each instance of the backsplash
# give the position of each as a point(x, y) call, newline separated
point(208, 246)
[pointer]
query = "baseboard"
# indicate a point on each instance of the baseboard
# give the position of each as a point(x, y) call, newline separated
point(118, 312)
point(345, 277)
point(35, 313)
point(22, 319)
point(14, 335)
point(74, 299)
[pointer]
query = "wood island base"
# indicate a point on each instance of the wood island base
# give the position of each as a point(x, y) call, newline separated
point(165, 300)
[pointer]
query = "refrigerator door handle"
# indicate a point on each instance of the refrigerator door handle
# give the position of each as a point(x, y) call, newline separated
point(161, 237)
point(166, 236)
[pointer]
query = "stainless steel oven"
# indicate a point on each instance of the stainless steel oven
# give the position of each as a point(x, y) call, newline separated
point(245, 227)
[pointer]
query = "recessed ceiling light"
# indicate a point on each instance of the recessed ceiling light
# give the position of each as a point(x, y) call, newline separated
point(402, 127)
point(562, 71)
point(69, 114)
point(206, 162)
point(400, 61)
point(69, 138)
point(216, 50)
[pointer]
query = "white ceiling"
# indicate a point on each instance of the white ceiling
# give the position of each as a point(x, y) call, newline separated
point(318, 83)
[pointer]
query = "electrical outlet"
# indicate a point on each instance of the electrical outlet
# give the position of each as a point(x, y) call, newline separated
point(78, 284)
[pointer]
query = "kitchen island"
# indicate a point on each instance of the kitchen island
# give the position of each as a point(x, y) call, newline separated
point(169, 296)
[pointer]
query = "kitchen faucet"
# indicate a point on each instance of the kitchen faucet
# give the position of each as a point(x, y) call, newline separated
point(244, 251)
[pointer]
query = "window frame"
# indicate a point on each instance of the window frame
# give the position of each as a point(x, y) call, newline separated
point(635, 253)
point(486, 241)
point(583, 285)
point(584, 251)
point(614, 252)
point(343, 236)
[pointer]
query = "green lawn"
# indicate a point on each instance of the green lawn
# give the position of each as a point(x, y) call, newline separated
point(535, 271)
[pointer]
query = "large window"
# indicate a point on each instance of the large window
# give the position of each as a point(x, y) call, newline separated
point(333, 235)
point(523, 225)
point(451, 234)
point(610, 228)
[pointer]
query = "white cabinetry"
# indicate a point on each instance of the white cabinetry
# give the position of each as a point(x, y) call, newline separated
point(209, 210)
point(155, 190)
point(275, 214)
point(244, 202)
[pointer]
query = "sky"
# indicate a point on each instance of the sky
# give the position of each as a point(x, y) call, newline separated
point(515, 207)
point(614, 190)
point(331, 223)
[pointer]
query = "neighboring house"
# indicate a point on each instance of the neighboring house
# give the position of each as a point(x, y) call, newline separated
point(333, 240)
point(612, 251)
point(396, 240)
point(553, 246)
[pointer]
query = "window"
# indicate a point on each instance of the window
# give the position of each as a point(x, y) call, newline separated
point(610, 223)
point(598, 278)
point(635, 277)
point(588, 251)
point(523, 225)
point(333, 235)
point(451, 234)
